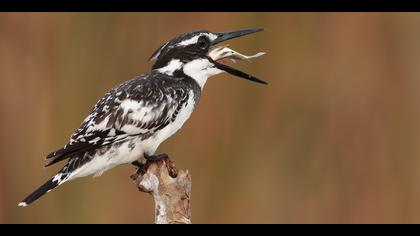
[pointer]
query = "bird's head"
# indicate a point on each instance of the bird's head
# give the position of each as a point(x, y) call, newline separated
point(197, 55)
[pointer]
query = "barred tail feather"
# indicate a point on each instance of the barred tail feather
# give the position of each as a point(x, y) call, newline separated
point(45, 188)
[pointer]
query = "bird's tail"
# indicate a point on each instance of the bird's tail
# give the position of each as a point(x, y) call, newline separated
point(58, 179)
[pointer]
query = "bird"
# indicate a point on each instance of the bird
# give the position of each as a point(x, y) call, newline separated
point(133, 118)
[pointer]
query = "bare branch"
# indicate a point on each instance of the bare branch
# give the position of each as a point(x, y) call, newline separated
point(171, 191)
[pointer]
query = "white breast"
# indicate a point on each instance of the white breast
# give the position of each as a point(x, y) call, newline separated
point(153, 142)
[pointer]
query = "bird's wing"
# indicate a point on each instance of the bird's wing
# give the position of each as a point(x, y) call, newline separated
point(138, 107)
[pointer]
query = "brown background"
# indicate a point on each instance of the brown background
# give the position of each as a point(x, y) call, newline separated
point(333, 138)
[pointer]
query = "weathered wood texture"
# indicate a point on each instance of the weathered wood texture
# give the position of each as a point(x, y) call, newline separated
point(171, 191)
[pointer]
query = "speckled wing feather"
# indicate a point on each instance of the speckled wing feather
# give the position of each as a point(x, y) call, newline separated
point(138, 107)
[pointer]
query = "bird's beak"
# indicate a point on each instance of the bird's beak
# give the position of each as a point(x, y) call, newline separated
point(233, 34)
point(223, 52)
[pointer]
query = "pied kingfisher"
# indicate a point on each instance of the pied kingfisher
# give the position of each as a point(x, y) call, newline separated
point(135, 117)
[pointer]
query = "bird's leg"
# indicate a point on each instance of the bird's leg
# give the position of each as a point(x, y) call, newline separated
point(155, 157)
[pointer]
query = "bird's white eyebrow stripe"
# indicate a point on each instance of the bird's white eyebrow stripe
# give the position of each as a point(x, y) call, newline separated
point(194, 39)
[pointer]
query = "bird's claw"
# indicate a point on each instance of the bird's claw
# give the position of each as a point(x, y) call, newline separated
point(173, 172)
point(141, 168)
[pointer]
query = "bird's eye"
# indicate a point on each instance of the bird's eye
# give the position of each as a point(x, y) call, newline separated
point(203, 42)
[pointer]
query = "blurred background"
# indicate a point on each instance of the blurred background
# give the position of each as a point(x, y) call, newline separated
point(333, 138)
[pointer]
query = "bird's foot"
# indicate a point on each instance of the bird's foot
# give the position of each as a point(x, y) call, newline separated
point(142, 168)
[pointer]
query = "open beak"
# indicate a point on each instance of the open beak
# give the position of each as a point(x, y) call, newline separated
point(218, 53)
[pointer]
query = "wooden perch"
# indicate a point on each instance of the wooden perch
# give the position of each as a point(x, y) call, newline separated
point(171, 191)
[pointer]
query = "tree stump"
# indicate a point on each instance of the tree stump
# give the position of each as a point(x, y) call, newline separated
point(170, 189)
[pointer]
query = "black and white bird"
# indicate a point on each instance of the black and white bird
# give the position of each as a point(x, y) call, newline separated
point(135, 117)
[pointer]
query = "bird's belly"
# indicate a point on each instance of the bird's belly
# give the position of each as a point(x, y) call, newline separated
point(106, 158)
